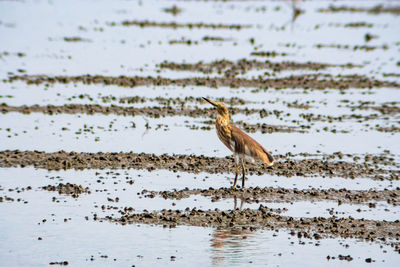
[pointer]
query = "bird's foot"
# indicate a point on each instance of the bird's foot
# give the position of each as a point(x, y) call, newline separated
point(238, 188)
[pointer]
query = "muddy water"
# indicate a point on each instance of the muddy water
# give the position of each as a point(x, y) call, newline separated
point(108, 155)
point(50, 222)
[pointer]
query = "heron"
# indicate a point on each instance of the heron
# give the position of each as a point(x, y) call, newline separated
point(242, 145)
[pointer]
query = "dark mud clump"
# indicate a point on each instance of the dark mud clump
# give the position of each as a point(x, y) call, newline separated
point(6, 54)
point(68, 189)
point(155, 112)
point(366, 48)
point(340, 257)
point(392, 74)
point(391, 129)
point(263, 218)
point(303, 81)
point(214, 38)
point(268, 128)
point(251, 195)
point(385, 108)
point(242, 66)
point(62, 263)
point(174, 10)
point(73, 39)
point(379, 9)
point(264, 128)
point(183, 41)
point(176, 25)
point(361, 24)
point(268, 54)
point(375, 167)
point(328, 118)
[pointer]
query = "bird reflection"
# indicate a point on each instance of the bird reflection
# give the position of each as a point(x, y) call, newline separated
point(228, 245)
point(235, 202)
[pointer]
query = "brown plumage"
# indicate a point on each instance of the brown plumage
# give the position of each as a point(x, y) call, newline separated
point(242, 145)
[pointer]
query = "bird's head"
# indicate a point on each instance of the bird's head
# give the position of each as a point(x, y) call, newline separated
point(221, 107)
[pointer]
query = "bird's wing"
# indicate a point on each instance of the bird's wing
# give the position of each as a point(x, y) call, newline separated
point(244, 144)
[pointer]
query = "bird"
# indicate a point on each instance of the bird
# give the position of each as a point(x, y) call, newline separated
point(242, 145)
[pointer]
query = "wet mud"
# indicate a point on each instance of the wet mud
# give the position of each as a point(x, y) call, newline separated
point(185, 41)
point(154, 112)
point(7, 54)
point(61, 263)
point(67, 189)
point(304, 121)
point(251, 195)
point(340, 257)
point(159, 100)
point(268, 54)
point(391, 107)
point(174, 10)
point(307, 228)
point(366, 48)
point(303, 81)
point(373, 166)
point(242, 66)
point(208, 38)
point(378, 9)
point(74, 39)
point(176, 25)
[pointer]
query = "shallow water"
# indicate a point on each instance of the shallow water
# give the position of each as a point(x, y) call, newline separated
point(116, 50)
point(108, 185)
point(111, 133)
point(32, 42)
point(89, 243)
point(101, 243)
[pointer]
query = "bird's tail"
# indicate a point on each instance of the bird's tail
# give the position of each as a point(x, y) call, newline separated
point(267, 157)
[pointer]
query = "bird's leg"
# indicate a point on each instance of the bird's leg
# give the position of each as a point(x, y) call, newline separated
point(241, 203)
point(236, 176)
point(244, 174)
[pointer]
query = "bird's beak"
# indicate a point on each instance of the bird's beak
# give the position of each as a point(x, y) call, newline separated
point(211, 102)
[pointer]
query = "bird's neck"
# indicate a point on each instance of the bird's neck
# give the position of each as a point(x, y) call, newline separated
point(223, 119)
